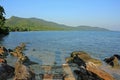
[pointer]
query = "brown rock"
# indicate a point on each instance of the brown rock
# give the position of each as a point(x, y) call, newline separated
point(3, 51)
point(95, 69)
point(23, 72)
point(85, 57)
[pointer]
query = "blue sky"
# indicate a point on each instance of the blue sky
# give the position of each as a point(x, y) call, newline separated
point(97, 13)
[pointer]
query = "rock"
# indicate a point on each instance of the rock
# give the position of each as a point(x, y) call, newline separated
point(26, 61)
point(118, 56)
point(6, 71)
point(91, 67)
point(17, 54)
point(20, 48)
point(86, 75)
point(79, 61)
point(69, 60)
point(2, 60)
point(84, 56)
point(88, 67)
point(112, 61)
point(3, 51)
point(23, 72)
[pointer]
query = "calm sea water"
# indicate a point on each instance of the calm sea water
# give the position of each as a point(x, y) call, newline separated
point(47, 47)
point(60, 44)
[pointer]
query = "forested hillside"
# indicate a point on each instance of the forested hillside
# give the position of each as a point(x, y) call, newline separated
point(35, 24)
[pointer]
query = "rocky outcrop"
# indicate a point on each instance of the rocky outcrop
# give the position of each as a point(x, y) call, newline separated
point(84, 56)
point(113, 61)
point(21, 70)
point(18, 52)
point(88, 67)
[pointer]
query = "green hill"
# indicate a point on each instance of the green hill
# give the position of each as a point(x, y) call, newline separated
point(34, 24)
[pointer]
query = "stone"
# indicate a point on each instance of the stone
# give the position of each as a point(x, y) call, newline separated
point(118, 56)
point(88, 67)
point(23, 72)
point(3, 51)
point(91, 67)
point(112, 61)
point(6, 71)
point(85, 57)
point(2, 60)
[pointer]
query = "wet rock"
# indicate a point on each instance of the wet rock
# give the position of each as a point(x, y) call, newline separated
point(17, 54)
point(87, 58)
point(84, 56)
point(2, 60)
point(86, 75)
point(3, 51)
point(23, 72)
point(88, 67)
point(91, 67)
point(79, 61)
point(6, 71)
point(20, 48)
point(112, 61)
point(26, 61)
point(118, 56)
point(69, 60)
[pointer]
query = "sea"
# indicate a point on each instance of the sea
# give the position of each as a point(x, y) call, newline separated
point(49, 47)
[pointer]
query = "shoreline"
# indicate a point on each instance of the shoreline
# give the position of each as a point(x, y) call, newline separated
point(77, 62)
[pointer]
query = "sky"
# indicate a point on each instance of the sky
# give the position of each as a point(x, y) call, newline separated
point(96, 13)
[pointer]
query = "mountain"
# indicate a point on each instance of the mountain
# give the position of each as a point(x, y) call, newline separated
point(34, 24)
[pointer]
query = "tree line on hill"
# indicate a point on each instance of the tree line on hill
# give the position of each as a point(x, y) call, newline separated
point(3, 29)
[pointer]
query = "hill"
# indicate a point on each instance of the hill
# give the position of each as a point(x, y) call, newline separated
point(35, 24)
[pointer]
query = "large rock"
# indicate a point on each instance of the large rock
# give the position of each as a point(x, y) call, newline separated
point(91, 67)
point(23, 72)
point(84, 56)
point(88, 67)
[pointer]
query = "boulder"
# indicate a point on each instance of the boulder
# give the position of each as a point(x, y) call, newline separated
point(83, 56)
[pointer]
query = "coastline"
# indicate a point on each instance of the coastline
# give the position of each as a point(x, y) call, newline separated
point(78, 63)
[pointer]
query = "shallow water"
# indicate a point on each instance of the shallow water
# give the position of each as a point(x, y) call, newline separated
point(59, 43)
point(49, 47)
